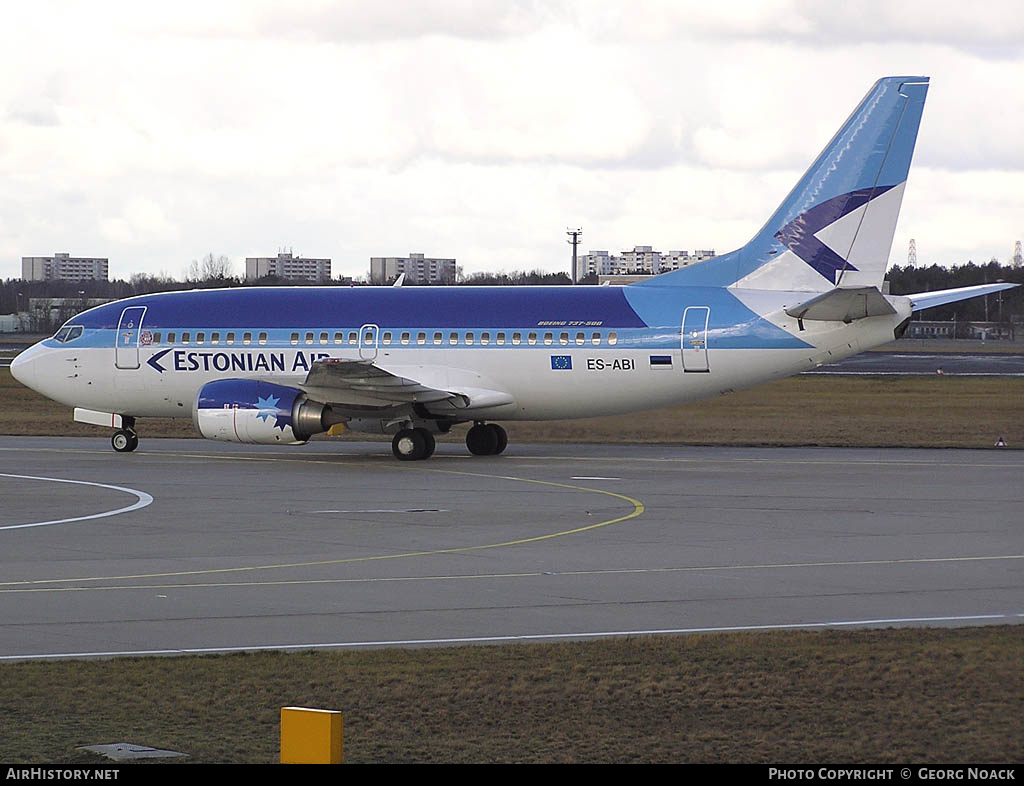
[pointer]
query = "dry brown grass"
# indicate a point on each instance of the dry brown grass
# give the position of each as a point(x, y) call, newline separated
point(855, 411)
point(786, 697)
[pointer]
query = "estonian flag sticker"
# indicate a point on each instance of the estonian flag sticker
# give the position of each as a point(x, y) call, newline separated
point(561, 362)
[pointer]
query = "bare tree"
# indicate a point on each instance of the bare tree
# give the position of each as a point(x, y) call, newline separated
point(210, 268)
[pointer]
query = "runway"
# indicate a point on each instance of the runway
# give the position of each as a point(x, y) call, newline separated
point(913, 364)
point(193, 546)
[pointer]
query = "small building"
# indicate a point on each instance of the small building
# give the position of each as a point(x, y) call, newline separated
point(13, 323)
point(289, 267)
point(418, 269)
point(931, 329)
point(990, 331)
point(64, 267)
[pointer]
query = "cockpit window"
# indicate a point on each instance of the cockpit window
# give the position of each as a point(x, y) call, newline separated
point(68, 333)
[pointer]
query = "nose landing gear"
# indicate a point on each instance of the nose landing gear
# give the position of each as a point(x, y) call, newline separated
point(125, 440)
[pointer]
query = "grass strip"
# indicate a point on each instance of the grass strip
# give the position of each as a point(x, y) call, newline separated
point(946, 411)
point(857, 696)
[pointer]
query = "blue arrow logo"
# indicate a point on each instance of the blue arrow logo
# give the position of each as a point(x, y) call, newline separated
point(154, 361)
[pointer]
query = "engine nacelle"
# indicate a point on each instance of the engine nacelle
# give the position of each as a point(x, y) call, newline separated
point(247, 410)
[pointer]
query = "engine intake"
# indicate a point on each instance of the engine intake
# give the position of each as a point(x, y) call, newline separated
point(254, 412)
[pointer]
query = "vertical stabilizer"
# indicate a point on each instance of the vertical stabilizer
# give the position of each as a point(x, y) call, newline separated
point(835, 227)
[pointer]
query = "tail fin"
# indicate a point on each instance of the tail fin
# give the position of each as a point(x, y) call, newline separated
point(836, 226)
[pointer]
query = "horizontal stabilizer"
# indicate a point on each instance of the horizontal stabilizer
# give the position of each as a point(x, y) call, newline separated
point(923, 300)
point(844, 305)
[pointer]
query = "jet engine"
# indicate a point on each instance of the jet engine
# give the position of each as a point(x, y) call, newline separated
point(246, 410)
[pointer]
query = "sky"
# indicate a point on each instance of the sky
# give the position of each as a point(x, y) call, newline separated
point(154, 134)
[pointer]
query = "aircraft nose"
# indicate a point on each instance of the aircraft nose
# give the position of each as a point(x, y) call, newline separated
point(23, 367)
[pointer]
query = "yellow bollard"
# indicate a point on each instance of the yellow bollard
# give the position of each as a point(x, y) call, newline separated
point(311, 736)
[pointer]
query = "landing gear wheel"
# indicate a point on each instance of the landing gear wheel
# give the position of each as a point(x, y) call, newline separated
point(124, 440)
point(410, 445)
point(429, 441)
point(502, 438)
point(483, 440)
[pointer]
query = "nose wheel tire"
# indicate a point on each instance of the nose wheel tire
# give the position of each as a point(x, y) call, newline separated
point(413, 444)
point(124, 441)
point(486, 439)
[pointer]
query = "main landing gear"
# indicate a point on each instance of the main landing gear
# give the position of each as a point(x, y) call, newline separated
point(413, 444)
point(483, 439)
point(124, 440)
point(486, 439)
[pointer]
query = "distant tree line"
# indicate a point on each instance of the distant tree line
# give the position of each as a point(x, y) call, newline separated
point(515, 278)
point(1006, 307)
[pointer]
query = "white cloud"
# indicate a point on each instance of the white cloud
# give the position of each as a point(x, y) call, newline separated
point(154, 135)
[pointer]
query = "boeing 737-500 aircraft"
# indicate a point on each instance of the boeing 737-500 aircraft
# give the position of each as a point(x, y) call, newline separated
point(278, 365)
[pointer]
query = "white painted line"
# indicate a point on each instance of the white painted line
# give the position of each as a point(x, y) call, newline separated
point(143, 499)
point(512, 638)
point(591, 477)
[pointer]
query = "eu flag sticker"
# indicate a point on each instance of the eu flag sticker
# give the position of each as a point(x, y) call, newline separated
point(561, 362)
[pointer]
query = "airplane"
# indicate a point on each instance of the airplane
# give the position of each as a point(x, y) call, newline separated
point(278, 365)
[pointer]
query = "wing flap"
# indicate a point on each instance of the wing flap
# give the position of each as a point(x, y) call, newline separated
point(365, 384)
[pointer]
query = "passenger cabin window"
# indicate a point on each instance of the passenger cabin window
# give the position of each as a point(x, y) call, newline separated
point(353, 337)
point(405, 338)
point(485, 338)
point(531, 339)
point(613, 339)
point(200, 338)
point(156, 338)
point(230, 338)
point(170, 338)
point(339, 338)
point(185, 338)
point(500, 339)
point(437, 338)
point(309, 338)
point(323, 338)
point(421, 338)
point(263, 338)
point(386, 337)
point(595, 339)
point(295, 338)
point(563, 338)
point(469, 339)
point(517, 338)
point(548, 338)
point(215, 338)
point(581, 339)
point(453, 338)
point(246, 338)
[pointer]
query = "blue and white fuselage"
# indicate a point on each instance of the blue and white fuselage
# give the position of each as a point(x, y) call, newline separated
point(276, 365)
point(555, 352)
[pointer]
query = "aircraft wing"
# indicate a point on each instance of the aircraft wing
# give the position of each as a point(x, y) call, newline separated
point(363, 383)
